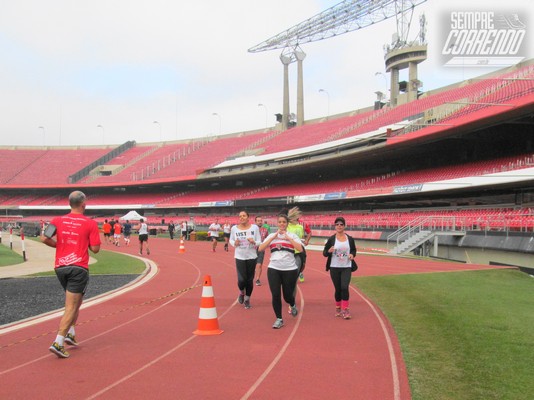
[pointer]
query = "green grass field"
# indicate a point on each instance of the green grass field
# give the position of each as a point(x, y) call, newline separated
point(9, 257)
point(464, 335)
point(107, 263)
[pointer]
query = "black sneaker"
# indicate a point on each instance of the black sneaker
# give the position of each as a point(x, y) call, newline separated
point(241, 298)
point(71, 339)
point(59, 350)
point(247, 304)
point(258, 283)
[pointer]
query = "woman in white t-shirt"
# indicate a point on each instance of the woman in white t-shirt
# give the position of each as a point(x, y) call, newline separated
point(226, 234)
point(245, 237)
point(282, 271)
point(340, 249)
point(213, 233)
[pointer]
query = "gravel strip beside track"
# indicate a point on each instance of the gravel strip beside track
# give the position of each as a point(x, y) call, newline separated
point(22, 298)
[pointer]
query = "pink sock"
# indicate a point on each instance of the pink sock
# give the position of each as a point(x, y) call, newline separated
point(338, 304)
point(344, 304)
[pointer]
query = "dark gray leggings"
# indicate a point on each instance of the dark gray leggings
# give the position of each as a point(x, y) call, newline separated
point(287, 281)
point(341, 280)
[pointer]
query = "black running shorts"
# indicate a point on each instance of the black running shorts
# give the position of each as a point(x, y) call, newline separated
point(73, 278)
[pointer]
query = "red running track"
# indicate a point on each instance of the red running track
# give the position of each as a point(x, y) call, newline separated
point(140, 344)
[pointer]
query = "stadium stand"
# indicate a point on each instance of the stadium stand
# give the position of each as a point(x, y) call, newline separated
point(379, 185)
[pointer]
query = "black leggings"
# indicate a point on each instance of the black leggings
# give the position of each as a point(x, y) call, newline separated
point(287, 281)
point(245, 275)
point(341, 280)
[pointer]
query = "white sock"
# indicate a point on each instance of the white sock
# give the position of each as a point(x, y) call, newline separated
point(60, 340)
point(247, 298)
point(72, 331)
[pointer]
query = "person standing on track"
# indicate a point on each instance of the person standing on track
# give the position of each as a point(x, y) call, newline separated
point(171, 228)
point(213, 232)
point(282, 271)
point(340, 249)
point(245, 237)
point(264, 232)
point(142, 229)
point(183, 229)
point(75, 235)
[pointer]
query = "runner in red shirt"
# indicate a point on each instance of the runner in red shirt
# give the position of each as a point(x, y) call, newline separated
point(106, 228)
point(117, 228)
point(75, 235)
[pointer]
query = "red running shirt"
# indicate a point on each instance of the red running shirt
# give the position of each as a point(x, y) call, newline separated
point(75, 233)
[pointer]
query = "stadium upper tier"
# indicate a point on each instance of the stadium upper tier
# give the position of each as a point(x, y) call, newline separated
point(480, 173)
point(431, 113)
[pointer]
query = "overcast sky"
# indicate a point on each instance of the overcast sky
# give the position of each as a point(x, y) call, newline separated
point(101, 72)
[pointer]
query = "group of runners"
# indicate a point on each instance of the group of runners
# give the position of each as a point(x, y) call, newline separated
point(114, 230)
point(74, 235)
point(287, 260)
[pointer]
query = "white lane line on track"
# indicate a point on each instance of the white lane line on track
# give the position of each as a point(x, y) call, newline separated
point(275, 361)
point(392, 358)
point(152, 271)
point(109, 330)
point(154, 361)
point(159, 358)
point(387, 336)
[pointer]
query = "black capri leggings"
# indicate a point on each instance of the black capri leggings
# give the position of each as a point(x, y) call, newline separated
point(287, 281)
point(341, 280)
point(245, 274)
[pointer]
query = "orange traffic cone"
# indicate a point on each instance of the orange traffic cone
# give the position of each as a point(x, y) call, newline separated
point(182, 247)
point(208, 324)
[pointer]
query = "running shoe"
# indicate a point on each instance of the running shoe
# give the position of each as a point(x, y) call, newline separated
point(301, 277)
point(59, 350)
point(71, 339)
point(294, 310)
point(258, 283)
point(338, 312)
point(247, 304)
point(241, 298)
point(346, 314)
point(278, 323)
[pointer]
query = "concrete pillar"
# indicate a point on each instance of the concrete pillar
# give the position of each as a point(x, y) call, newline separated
point(286, 60)
point(413, 81)
point(394, 87)
point(300, 56)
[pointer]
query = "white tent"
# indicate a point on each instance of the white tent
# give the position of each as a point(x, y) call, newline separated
point(132, 216)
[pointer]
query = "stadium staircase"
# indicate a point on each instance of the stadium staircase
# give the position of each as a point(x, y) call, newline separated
point(417, 232)
point(96, 173)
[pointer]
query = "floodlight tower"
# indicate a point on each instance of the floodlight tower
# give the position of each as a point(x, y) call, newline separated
point(402, 54)
point(344, 17)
